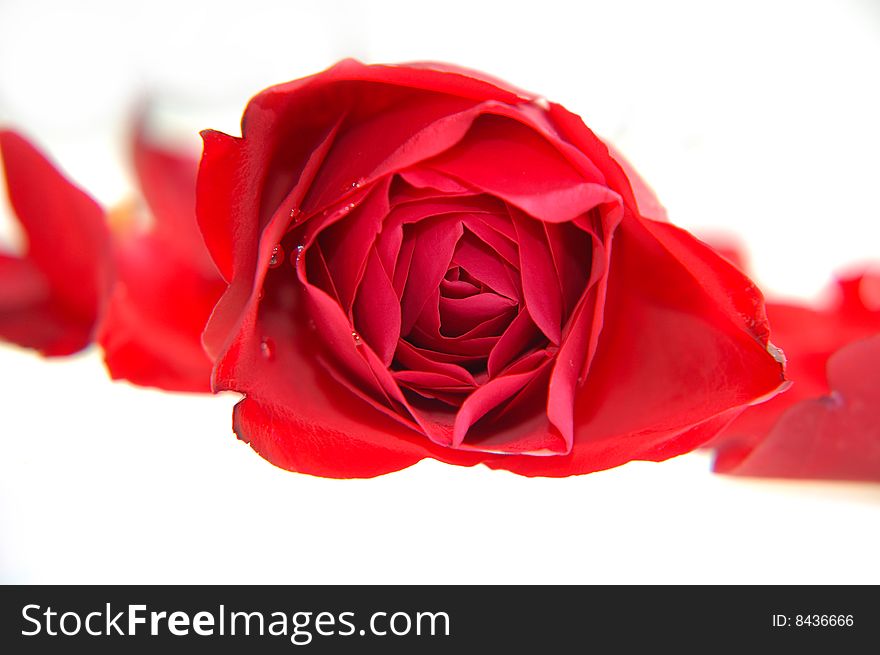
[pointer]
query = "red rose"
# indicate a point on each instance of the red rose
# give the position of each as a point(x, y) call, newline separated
point(828, 424)
point(423, 262)
point(51, 297)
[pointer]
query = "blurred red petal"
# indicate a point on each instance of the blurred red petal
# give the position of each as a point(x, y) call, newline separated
point(811, 338)
point(166, 179)
point(834, 437)
point(151, 331)
point(63, 277)
point(166, 284)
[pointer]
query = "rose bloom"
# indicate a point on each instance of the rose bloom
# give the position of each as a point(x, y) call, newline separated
point(425, 262)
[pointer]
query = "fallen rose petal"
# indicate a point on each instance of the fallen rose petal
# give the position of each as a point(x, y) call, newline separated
point(52, 296)
point(834, 436)
point(825, 425)
point(166, 284)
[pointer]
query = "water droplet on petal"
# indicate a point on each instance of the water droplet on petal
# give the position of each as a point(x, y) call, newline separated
point(267, 348)
point(295, 213)
point(297, 255)
point(312, 326)
point(356, 337)
point(277, 256)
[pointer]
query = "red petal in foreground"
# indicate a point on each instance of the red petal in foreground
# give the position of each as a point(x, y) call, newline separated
point(317, 427)
point(51, 298)
point(166, 284)
point(662, 323)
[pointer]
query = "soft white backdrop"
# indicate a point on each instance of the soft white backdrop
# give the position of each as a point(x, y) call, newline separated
point(752, 118)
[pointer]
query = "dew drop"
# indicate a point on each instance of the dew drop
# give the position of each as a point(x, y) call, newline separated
point(277, 256)
point(312, 325)
point(357, 184)
point(295, 213)
point(356, 337)
point(267, 348)
point(297, 255)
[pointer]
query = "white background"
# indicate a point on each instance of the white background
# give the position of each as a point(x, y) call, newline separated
point(752, 118)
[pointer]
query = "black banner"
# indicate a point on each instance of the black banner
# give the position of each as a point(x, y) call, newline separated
point(113, 619)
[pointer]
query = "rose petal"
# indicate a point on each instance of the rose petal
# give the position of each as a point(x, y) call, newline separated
point(67, 243)
point(520, 426)
point(521, 335)
point(309, 423)
point(151, 331)
point(166, 284)
point(486, 398)
point(540, 281)
point(412, 358)
point(23, 284)
point(483, 264)
point(434, 243)
point(835, 437)
point(225, 192)
point(426, 178)
point(377, 310)
point(504, 158)
point(809, 337)
point(347, 244)
point(459, 316)
point(477, 341)
point(479, 226)
point(662, 324)
point(572, 251)
point(167, 180)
